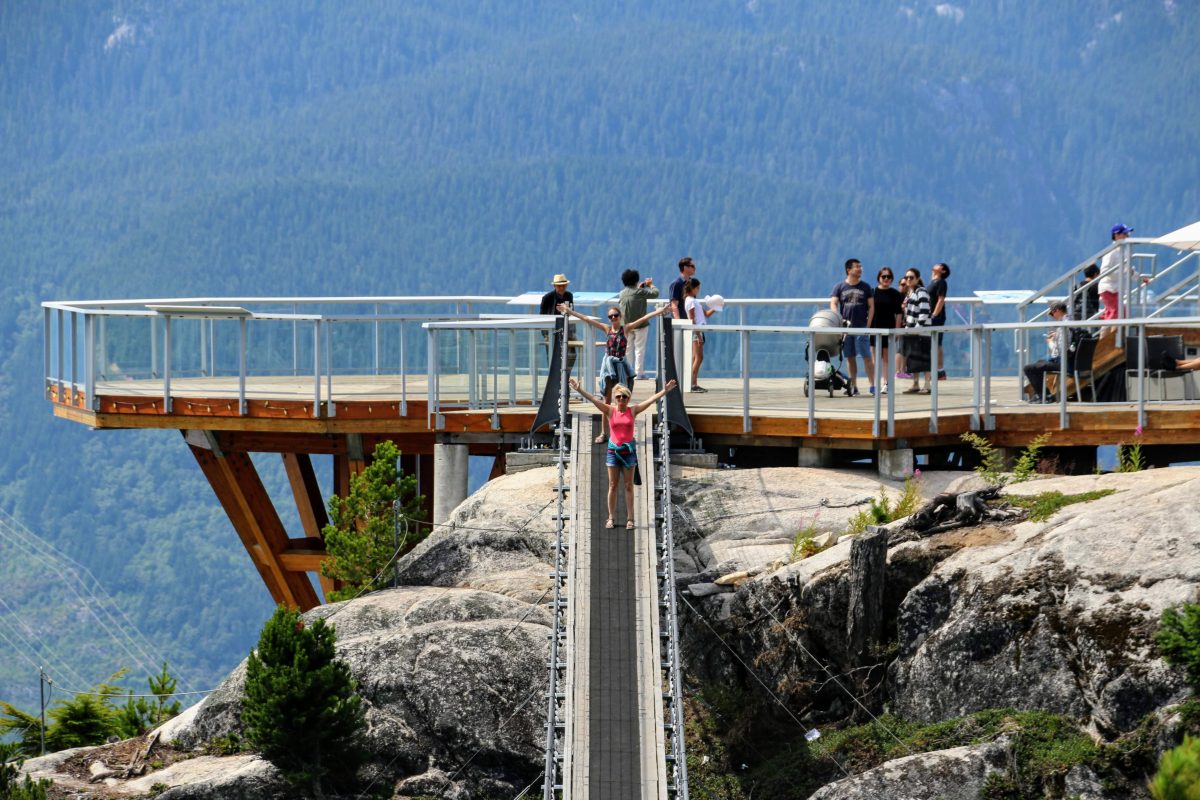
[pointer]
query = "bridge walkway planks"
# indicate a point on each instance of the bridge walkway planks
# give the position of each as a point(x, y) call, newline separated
point(615, 729)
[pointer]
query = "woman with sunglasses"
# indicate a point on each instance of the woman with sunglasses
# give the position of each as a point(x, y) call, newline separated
point(887, 316)
point(614, 370)
point(622, 451)
point(916, 315)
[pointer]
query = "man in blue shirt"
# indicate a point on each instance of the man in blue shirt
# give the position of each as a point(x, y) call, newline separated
point(855, 301)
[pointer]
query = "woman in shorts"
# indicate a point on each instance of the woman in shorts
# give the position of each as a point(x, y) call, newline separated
point(622, 451)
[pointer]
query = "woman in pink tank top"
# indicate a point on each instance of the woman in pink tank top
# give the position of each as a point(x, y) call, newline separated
point(622, 450)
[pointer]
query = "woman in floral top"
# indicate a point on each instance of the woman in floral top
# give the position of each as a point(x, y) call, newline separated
point(614, 369)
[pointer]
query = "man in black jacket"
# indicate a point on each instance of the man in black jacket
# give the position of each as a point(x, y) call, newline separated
point(1035, 373)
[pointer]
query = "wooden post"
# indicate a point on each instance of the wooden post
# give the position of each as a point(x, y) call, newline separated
point(868, 565)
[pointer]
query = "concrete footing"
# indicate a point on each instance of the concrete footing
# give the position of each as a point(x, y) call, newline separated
point(449, 479)
point(701, 460)
point(519, 461)
point(896, 464)
point(815, 457)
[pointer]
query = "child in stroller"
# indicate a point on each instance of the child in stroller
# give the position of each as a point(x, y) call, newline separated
point(827, 347)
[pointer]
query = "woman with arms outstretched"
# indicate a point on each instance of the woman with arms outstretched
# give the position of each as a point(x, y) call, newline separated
point(622, 451)
point(614, 370)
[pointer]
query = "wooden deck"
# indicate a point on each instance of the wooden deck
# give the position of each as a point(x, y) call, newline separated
point(778, 411)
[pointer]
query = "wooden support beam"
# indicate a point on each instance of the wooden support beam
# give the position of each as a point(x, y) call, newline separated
point(497, 466)
point(238, 487)
point(306, 490)
point(313, 517)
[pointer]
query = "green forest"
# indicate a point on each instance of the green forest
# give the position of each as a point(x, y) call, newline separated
point(224, 148)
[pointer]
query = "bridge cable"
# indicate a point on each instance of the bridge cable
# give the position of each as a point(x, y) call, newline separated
point(754, 675)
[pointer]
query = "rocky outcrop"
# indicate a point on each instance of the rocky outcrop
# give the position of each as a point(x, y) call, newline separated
point(447, 676)
point(498, 540)
point(243, 777)
point(730, 520)
point(954, 774)
point(1059, 615)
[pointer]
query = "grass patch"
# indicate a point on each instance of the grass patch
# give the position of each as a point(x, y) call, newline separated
point(1042, 506)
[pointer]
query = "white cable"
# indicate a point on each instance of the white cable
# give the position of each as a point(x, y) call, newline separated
point(754, 675)
point(30, 646)
point(28, 542)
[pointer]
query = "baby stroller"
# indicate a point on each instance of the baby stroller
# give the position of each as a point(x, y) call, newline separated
point(828, 346)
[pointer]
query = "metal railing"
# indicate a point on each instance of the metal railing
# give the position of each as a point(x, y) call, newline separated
point(1140, 296)
point(557, 701)
point(473, 357)
point(675, 755)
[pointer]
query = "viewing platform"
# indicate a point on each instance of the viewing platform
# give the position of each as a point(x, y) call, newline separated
point(451, 377)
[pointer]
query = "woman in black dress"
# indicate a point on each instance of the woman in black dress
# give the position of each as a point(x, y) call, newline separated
point(887, 316)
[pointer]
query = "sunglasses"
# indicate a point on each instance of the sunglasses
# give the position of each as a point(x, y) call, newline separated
point(885, 277)
point(614, 316)
point(621, 397)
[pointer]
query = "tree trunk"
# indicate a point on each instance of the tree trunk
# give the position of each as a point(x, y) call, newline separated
point(864, 620)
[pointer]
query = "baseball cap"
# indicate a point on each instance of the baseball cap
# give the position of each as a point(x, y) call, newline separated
point(1121, 229)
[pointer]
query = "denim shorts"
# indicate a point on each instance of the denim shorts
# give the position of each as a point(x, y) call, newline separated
point(626, 458)
point(857, 346)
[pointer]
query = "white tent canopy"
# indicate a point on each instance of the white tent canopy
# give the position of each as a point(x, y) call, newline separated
point(1186, 238)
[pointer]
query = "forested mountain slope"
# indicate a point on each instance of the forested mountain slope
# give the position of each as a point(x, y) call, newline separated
point(164, 148)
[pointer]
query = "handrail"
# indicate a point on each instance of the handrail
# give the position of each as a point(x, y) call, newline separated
point(473, 360)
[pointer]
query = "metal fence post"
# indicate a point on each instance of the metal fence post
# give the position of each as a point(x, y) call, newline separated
point(167, 364)
point(933, 394)
point(242, 366)
point(46, 377)
point(316, 368)
point(744, 356)
point(89, 363)
point(74, 356)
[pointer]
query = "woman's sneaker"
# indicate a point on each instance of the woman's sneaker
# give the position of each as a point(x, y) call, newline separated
point(907, 376)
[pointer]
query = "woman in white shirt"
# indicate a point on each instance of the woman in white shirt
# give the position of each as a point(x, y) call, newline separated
point(698, 314)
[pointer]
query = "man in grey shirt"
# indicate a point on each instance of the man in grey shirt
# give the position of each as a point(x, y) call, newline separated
point(632, 303)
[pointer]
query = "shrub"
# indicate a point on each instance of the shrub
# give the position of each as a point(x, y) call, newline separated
point(1178, 640)
point(13, 785)
point(1043, 505)
point(991, 460)
point(1178, 776)
point(803, 545)
point(301, 708)
point(881, 511)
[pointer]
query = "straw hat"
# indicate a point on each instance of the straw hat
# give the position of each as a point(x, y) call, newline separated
point(560, 280)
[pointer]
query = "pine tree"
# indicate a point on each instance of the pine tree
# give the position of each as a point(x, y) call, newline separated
point(300, 708)
point(12, 785)
point(360, 538)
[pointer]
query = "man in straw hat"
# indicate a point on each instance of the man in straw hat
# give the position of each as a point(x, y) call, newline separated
point(557, 295)
point(550, 302)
